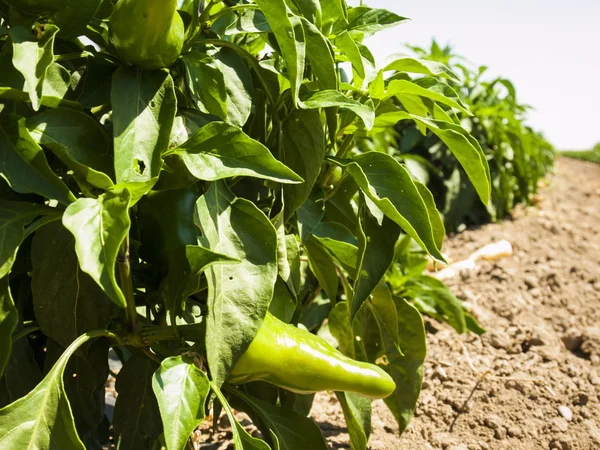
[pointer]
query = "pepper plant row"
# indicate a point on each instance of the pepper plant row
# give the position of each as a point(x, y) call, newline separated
point(518, 155)
point(183, 183)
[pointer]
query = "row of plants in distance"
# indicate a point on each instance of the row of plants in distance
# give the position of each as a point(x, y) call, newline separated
point(188, 183)
point(592, 155)
point(518, 155)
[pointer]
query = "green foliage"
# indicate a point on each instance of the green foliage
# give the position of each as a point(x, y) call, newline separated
point(171, 209)
point(518, 156)
point(592, 155)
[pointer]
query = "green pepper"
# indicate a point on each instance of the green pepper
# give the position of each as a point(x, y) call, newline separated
point(38, 6)
point(147, 33)
point(302, 362)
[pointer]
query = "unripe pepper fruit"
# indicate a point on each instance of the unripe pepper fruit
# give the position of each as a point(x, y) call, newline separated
point(302, 362)
point(147, 33)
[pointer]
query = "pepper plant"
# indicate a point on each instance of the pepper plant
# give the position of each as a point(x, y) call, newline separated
point(178, 179)
point(518, 155)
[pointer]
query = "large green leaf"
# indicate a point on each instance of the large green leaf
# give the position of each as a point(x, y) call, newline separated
point(239, 294)
point(206, 83)
point(320, 55)
point(322, 265)
point(136, 422)
point(406, 369)
point(14, 216)
point(357, 413)
point(288, 429)
point(289, 33)
point(387, 184)
point(78, 141)
point(219, 150)
point(9, 317)
point(181, 390)
point(377, 238)
point(303, 144)
point(333, 98)
point(43, 418)
point(144, 107)
point(66, 301)
point(400, 88)
point(23, 163)
point(348, 47)
point(412, 65)
point(74, 17)
point(32, 57)
point(465, 147)
point(100, 227)
point(368, 20)
point(340, 242)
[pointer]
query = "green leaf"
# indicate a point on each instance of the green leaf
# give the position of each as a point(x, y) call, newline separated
point(144, 107)
point(348, 47)
point(368, 20)
point(412, 65)
point(66, 301)
point(43, 418)
point(303, 144)
point(400, 88)
point(136, 423)
point(55, 85)
point(406, 369)
point(74, 17)
point(84, 379)
point(23, 163)
point(249, 21)
point(357, 413)
point(32, 57)
point(100, 227)
point(219, 150)
point(322, 265)
point(14, 216)
point(434, 296)
point(241, 439)
point(181, 390)
point(320, 55)
point(206, 83)
point(9, 317)
point(239, 86)
point(290, 37)
point(289, 430)
point(340, 242)
point(22, 373)
point(78, 141)
point(332, 98)
point(239, 294)
point(387, 184)
point(439, 232)
point(377, 240)
point(467, 151)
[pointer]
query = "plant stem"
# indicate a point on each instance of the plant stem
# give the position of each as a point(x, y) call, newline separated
point(190, 332)
point(126, 284)
point(346, 145)
point(232, 8)
point(24, 333)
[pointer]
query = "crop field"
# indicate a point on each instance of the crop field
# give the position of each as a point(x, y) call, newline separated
point(225, 225)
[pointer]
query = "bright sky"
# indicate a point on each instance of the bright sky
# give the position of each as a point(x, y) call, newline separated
point(548, 48)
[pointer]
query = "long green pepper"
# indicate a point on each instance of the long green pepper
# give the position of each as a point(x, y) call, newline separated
point(302, 362)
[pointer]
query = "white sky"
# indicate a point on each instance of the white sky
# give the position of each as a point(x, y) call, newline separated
point(550, 49)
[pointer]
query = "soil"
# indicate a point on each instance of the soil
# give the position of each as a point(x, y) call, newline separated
point(533, 380)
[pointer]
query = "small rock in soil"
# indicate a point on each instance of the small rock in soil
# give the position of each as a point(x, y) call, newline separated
point(566, 412)
point(499, 340)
